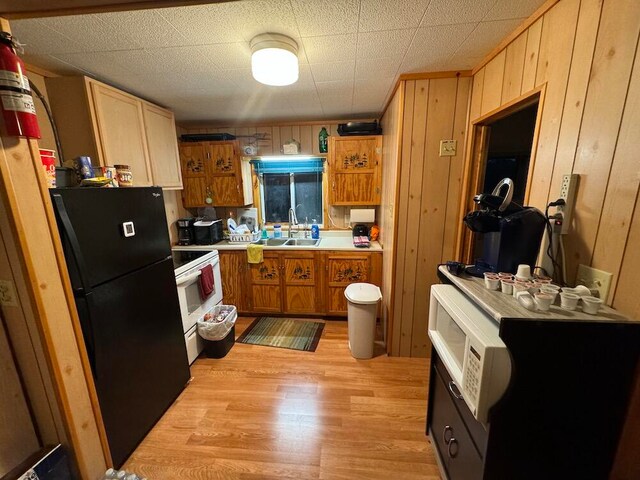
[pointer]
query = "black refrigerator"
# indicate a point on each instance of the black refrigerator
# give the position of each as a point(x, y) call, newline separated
point(118, 254)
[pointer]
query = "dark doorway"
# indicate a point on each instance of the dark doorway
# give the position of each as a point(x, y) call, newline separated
point(509, 153)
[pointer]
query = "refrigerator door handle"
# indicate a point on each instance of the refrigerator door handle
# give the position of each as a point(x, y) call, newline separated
point(70, 233)
point(85, 290)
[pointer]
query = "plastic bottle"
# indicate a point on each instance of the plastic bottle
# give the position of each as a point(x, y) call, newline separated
point(315, 231)
point(277, 231)
point(323, 140)
point(265, 234)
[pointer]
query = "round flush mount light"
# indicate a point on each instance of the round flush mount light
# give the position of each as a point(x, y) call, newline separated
point(274, 59)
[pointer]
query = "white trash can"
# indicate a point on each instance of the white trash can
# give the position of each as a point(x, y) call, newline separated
point(362, 307)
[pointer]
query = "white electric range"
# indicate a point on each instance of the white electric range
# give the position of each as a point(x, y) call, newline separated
point(187, 266)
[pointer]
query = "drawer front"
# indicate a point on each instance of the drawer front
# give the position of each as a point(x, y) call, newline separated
point(478, 433)
point(194, 344)
point(449, 434)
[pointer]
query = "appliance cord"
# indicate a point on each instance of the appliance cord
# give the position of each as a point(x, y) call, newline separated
point(51, 121)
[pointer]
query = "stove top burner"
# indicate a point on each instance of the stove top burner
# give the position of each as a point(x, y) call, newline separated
point(183, 257)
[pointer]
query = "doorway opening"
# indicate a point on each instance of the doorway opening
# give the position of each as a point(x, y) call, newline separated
point(503, 145)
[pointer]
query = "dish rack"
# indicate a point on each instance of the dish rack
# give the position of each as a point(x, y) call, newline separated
point(244, 237)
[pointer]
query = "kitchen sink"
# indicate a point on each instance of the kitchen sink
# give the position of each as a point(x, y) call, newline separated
point(272, 242)
point(302, 242)
point(288, 242)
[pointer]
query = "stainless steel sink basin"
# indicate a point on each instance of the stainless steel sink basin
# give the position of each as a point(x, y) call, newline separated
point(302, 242)
point(272, 242)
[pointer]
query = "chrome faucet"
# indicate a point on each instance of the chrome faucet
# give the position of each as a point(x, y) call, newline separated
point(293, 220)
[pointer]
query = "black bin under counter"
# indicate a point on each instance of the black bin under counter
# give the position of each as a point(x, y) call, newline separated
point(565, 404)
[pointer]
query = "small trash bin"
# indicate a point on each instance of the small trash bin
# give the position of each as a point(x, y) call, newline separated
point(218, 330)
point(362, 307)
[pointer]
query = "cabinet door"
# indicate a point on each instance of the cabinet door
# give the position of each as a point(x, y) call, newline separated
point(265, 278)
point(343, 270)
point(233, 268)
point(355, 170)
point(302, 285)
point(192, 163)
point(160, 127)
point(223, 174)
point(450, 436)
point(121, 132)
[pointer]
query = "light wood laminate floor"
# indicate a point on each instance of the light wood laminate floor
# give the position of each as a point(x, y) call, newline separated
point(270, 413)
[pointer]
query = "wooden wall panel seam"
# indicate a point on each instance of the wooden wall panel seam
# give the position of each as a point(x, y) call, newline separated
point(562, 111)
point(615, 148)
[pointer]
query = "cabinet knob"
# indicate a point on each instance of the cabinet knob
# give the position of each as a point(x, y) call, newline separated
point(445, 430)
point(452, 448)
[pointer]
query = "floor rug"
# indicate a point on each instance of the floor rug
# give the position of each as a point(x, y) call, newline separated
point(283, 333)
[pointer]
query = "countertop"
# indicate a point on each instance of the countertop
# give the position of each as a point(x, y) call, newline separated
point(499, 305)
point(334, 241)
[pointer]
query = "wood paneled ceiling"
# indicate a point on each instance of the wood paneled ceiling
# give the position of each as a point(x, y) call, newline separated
point(196, 59)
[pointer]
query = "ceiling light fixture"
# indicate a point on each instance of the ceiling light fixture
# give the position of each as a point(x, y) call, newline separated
point(274, 59)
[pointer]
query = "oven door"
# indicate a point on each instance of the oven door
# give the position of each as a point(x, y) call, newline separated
point(192, 306)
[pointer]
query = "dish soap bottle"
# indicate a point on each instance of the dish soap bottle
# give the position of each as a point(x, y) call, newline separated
point(323, 140)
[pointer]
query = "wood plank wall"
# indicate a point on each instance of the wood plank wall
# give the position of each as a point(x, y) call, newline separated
point(277, 134)
point(386, 213)
point(586, 53)
point(428, 198)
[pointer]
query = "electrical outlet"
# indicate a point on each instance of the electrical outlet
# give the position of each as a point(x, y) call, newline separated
point(448, 148)
point(595, 279)
point(568, 194)
point(7, 294)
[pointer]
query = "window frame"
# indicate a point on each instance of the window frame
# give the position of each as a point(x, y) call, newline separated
point(293, 204)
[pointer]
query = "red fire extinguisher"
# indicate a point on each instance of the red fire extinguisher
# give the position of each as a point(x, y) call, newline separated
point(16, 101)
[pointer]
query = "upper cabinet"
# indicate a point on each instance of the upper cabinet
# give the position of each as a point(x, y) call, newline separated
point(355, 170)
point(113, 128)
point(160, 129)
point(215, 175)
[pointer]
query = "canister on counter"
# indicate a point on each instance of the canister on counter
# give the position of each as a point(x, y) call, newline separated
point(48, 158)
point(112, 173)
point(83, 168)
point(124, 175)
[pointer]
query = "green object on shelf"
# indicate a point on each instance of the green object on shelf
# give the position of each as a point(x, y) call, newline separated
point(323, 140)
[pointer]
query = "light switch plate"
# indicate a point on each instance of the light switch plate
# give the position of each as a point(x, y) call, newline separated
point(8, 294)
point(595, 279)
point(448, 148)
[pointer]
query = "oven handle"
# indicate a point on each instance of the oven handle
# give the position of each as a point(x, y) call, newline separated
point(187, 279)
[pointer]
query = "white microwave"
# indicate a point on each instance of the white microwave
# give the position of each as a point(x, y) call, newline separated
point(467, 341)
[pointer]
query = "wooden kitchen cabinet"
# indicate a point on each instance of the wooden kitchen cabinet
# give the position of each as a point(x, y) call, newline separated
point(265, 280)
point(115, 128)
point(214, 174)
point(160, 128)
point(355, 170)
point(302, 285)
point(121, 131)
point(344, 269)
point(233, 271)
point(295, 282)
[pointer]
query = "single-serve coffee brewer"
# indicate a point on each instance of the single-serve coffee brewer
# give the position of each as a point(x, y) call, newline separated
point(185, 231)
point(511, 233)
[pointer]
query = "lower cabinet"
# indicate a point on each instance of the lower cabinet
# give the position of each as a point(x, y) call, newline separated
point(295, 282)
point(344, 269)
point(302, 286)
point(265, 279)
point(233, 270)
point(458, 440)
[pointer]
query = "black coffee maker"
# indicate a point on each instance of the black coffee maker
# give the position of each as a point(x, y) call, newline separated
point(512, 233)
point(185, 231)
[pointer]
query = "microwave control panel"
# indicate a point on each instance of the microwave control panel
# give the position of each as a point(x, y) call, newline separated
point(473, 375)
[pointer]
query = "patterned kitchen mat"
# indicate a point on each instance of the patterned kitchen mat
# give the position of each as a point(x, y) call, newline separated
point(283, 333)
